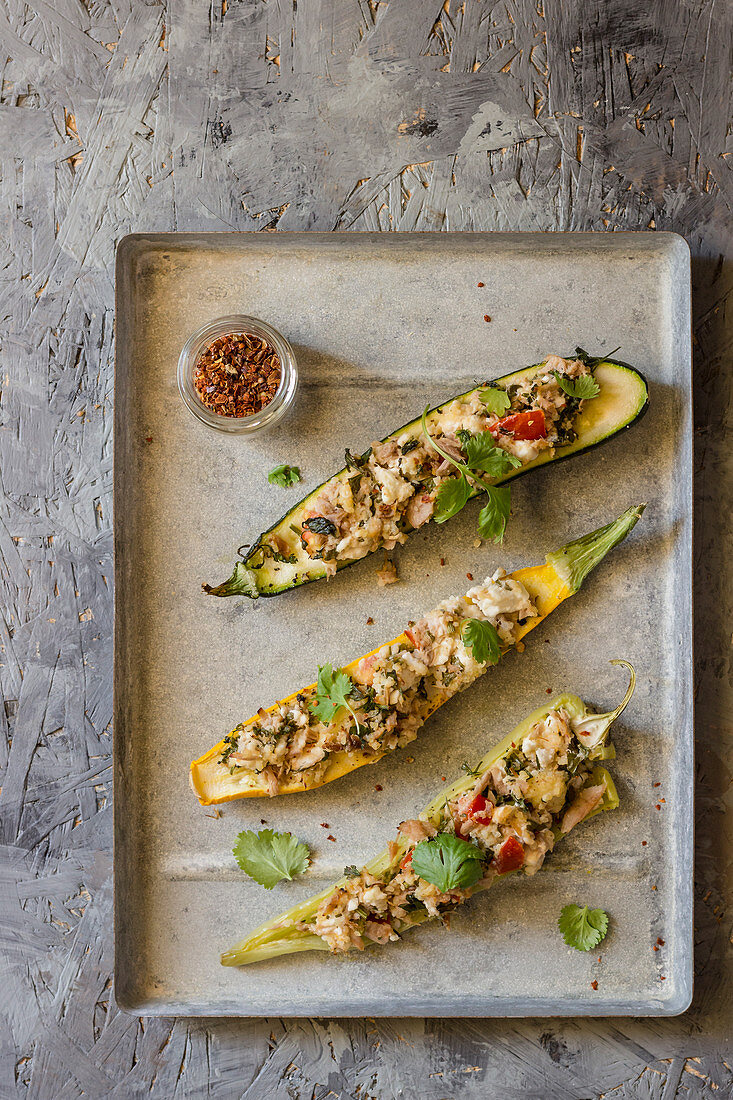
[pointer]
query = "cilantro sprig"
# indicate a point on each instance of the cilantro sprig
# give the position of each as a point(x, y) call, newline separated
point(583, 928)
point(482, 638)
point(448, 862)
point(269, 857)
point(333, 690)
point(284, 475)
point(482, 457)
point(584, 388)
point(495, 399)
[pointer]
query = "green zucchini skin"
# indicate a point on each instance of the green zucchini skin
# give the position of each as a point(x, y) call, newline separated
point(261, 580)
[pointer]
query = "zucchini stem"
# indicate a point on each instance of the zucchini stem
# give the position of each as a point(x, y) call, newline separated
point(575, 561)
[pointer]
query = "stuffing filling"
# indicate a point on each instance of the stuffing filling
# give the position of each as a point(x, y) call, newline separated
point(391, 490)
point(513, 815)
point(393, 691)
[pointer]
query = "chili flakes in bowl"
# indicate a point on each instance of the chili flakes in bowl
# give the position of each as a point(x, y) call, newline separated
point(237, 374)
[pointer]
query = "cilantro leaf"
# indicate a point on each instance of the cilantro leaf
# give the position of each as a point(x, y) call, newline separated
point(483, 454)
point(482, 638)
point(492, 518)
point(452, 495)
point(495, 399)
point(284, 476)
point(447, 862)
point(584, 388)
point(583, 928)
point(269, 857)
point(332, 692)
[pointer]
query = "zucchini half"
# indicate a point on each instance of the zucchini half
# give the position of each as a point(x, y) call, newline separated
point(623, 398)
point(548, 585)
point(280, 936)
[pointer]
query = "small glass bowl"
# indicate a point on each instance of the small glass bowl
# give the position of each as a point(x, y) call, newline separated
point(283, 397)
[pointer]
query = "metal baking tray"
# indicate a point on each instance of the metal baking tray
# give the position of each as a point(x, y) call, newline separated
point(383, 324)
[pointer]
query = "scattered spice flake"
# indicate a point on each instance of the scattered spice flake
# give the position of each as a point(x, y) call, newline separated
point(547, 641)
point(370, 620)
point(378, 787)
point(548, 691)
point(594, 984)
point(657, 807)
point(469, 576)
point(237, 375)
point(480, 284)
point(662, 978)
point(486, 317)
point(656, 784)
point(262, 821)
point(329, 837)
point(442, 779)
point(442, 561)
point(325, 825)
point(654, 887)
point(148, 439)
point(660, 941)
point(656, 947)
point(643, 844)
point(662, 799)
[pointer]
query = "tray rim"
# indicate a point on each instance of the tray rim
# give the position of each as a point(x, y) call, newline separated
point(127, 249)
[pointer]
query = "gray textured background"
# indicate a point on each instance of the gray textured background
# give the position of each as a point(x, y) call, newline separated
point(332, 114)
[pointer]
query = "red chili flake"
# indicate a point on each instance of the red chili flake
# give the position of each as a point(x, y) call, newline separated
point(656, 784)
point(480, 284)
point(237, 375)
point(547, 641)
point(655, 947)
point(469, 576)
point(658, 807)
point(486, 317)
point(329, 837)
point(653, 887)
point(148, 439)
point(548, 691)
point(643, 844)
point(662, 799)
point(325, 825)
point(442, 561)
point(662, 978)
point(594, 985)
point(379, 787)
point(370, 620)
point(442, 779)
point(660, 941)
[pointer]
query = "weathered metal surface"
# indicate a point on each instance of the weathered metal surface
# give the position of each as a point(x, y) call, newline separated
point(386, 324)
point(120, 116)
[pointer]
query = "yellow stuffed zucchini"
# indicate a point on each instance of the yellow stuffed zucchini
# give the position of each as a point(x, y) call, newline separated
point(378, 703)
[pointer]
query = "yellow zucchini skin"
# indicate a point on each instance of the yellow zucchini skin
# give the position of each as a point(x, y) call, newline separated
point(622, 400)
point(279, 935)
point(548, 585)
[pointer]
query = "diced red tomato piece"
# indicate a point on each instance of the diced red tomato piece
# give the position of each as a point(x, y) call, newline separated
point(476, 807)
point(510, 856)
point(525, 425)
point(406, 861)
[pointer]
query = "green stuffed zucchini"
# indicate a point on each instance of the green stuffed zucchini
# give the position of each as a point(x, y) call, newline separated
point(429, 468)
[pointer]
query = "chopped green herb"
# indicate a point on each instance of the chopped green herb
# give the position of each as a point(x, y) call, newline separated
point(269, 857)
point(482, 638)
point(352, 871)
point(447, 862)
point(583, 928)
point(583, 388)
point(483, 454)
point(495, 399)
point(493, 517)
point(284, 476)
